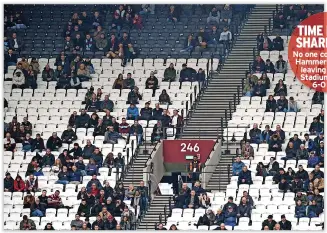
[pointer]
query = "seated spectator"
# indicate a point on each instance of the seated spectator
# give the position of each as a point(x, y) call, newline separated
point(279, 21)
point(244, 209)
point(164, 97)
point(48, 74)
point(83, 72)
point(69, 135)
point(269, 67)
point(97, 156)
point(244, 177)
point(250, 81)
point(38, 209)
point(80, 166)
point(226, 15)
point(214, 35)
point(124, 127)
point(107, 104)
point(229, 203)
point(63, 176)
point(292, 105)
point(275, 144)
point(221, 227)
point(230, 217)
point(151, 82)
point(137, 130)
point(18, 185)
point(265, 80)
point(281, 65)
point(318, 198)
point(118, 53)
point(10, 59)
point(313, 160)
point(197, 186)
point(264, 43)
point(132, 112)
point(137, 22)
point(254, 134)
point(88, 150)
point(247, 151)
point(157, 132)
point(160, 227)
point(201, 39)
point(280, 89)
point(189, 44)
point(280, 133)
point(258, 65)
point(269, 222)
point(74, 176)
point(88, 94)
point(204, 201)
point(278, 43)
point(297, 185)
point(99, 129)
point(48, 159)
point(170, 73)
point(321, 116)
point(129, 82)
point(9, 183)
point(93, 104)
point(316, 127)
point(290, 151)
point(192, 201)
point(89, 44)
point(207, 219)
point(283, 186)
point(37, 144)
point(318, 98)
point(27, 143)
point(173, 15)
point(259, 89)
point(54, 142)
point(146, 112)
point(91, 168)
point(102, 43)
point(301, 15)
point(157, 112)
point(302, 153)
point(266, 135)
point(296, 141)
point(119, 82)
point(272, 166)
point(19, 77)
point(109, 161)
point(313, 210)
point(116, 23)
point(31, 184)
point(318, 139)
point(31, 78)
point(99, 94)
point(214, 16)
point(237, 166)
point(111, 136)
point(82, 120)
point(27, 224)
point(54, 200)
point(261, 170)
point(9, 143)
point(134, 96)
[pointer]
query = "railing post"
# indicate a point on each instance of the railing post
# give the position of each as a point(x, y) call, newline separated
point(228, 172)
point(230, 110)
point(226, 114)
point(165, 214)
point(265, 30)
point(238, 94)
point(222, 128)
point(160, 218)
point(195, 94)
point(242, 85)
point(234, 98)
point(269, 23)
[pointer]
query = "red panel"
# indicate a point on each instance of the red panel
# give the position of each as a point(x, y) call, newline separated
point(175, 151)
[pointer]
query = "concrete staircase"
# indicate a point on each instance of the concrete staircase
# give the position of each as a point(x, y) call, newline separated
point(154, 212)
point(205, 120)
point(134, 173)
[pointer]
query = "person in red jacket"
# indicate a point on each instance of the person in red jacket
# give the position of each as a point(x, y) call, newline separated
point(19, 184)
point(94, 190)
point(124, 127)
point(137, 21)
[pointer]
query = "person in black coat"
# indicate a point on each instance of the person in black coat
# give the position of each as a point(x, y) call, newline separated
point(280, 88)
point(69, 135)
point(38, 144)
point(283, 185)
point(269, 66)
point(192, 201)
point(244, 209)
point(54, 142)
point(285, 224)
point(8, 183)
point(278, 43)
point(271, 104)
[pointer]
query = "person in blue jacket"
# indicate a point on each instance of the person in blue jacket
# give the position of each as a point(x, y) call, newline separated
point(313, 160)
point(259, 89)
point(308, 143)
point(137, 131)
point(132, 112)
point(282, 104)
point(244, 176)
point(230, 217)
point(258, 65)
point(237, 166)
point(74, 176)
point(265, 135)
point(300, 210)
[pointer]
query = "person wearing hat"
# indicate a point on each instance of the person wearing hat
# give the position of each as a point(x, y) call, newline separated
point(134, 96)
point(284, 223)
point(230, 203)
point(313, 160)
point(230, 216)
point(146, 112)
point(269, 222)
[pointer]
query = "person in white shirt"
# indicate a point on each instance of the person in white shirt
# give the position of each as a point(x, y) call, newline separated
point(176, 121)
